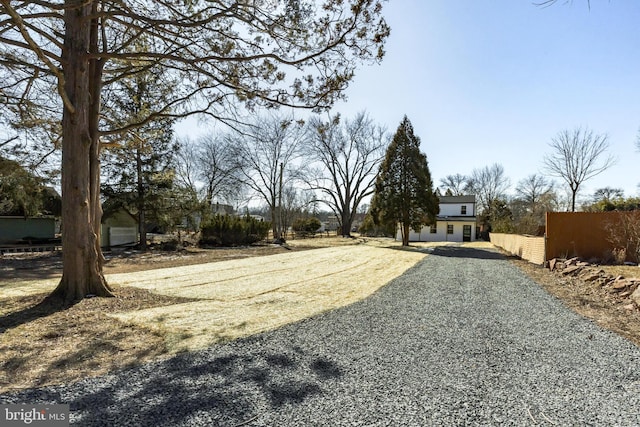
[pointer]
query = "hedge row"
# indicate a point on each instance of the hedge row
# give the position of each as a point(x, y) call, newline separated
point(226, 230)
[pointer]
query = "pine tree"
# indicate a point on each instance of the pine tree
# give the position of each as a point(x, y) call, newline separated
point(139, 167)
point(404, 189)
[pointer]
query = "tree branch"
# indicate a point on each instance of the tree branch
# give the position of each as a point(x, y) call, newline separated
point(19, 23)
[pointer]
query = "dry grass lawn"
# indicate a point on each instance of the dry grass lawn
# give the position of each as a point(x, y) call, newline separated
point(231, 299)
point(162, 311)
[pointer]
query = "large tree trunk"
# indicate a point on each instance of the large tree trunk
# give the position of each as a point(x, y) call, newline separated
point(95, 90)
point(274, 222)
point(81, 255)
point(346, 222)
point(405, 234)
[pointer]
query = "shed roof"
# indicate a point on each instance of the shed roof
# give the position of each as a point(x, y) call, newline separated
point(457, 199)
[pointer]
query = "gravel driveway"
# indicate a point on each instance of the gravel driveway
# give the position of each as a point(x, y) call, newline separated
point(462, 338)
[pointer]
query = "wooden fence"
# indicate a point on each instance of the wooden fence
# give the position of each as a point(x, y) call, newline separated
point(582, 234)
point(530, 248)
point(587, 234)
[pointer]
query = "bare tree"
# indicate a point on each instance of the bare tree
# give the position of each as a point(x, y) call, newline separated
point(61, 57)
point(454, 185)
point(488, 184)
point(534, 191)
point(535, 195)
point(547, 3)
point(296, 203)
point(606, 194)
point(577, 156)
point(350, 154)
point(266, 154)
point(210, 168)
point(187, 173)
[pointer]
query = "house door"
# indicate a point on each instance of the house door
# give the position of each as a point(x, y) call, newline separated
point(466, 233)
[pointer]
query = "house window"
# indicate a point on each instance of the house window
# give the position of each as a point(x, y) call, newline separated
point(434, 229)
point(449, 228)
point(463, 210)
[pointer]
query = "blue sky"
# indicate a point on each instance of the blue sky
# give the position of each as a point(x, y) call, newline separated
point(492, 81)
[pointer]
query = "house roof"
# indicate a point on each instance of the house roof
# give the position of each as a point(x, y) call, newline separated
point(456, 218)
point(457, 199)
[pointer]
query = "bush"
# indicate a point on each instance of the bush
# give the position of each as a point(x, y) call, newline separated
point(370, 229)
point(305, 226)
point(624, 235)
point(226, 230)
point(170, 245)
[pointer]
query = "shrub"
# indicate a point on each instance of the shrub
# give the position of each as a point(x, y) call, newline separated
point(370, 229)
point(619, 255)
point(227, 230)
point(624, 235)
point(170, 245)
point(305, 226)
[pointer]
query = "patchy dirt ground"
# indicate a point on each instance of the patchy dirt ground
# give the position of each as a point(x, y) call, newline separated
point(41, 343)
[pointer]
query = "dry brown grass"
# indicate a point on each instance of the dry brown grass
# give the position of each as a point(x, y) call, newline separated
point(44, 343)
point(241, 297)
point(210, 296)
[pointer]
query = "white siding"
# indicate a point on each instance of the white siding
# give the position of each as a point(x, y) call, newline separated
point(454, 209)
point(441, 235)
point(451, 208)
point(122, 236)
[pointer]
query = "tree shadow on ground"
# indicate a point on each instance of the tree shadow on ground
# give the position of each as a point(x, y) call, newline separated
point(466, 252)
point(36, 267)
point(47, 306)
point(452, 251)
point(222, 386)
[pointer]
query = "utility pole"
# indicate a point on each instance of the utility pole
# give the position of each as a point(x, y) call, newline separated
point(279, 225)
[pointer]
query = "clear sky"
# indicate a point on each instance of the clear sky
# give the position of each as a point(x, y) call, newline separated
point(487, 81)
point(492, 81)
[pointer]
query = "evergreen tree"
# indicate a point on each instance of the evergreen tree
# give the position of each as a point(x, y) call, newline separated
point(404, 189)
point(140, 166)
point(20, 191)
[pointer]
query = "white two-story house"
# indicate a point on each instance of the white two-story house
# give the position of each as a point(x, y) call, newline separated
point(456, 222)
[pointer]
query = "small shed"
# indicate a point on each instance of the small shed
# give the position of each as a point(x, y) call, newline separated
point(18, 229)
point(119, 227)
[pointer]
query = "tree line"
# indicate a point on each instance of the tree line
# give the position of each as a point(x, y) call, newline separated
point(293, 169)
point(574, 156)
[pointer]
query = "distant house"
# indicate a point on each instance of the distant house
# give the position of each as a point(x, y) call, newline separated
point(456, 222)
point(331, 224)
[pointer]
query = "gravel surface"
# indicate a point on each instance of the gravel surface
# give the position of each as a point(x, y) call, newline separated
point(462, 338)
